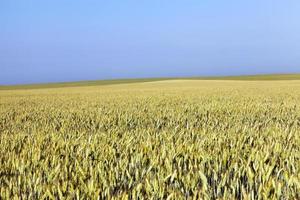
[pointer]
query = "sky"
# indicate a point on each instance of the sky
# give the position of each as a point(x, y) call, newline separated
point(67, 40)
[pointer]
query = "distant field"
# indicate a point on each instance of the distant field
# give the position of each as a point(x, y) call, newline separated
point(127, 81)
point(79, 84)
point(168, 139)
point(264, 77)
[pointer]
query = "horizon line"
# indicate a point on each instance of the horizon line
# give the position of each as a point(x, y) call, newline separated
point(151, 77)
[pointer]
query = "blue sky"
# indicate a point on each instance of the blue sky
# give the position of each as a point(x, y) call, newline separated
point(67, 40)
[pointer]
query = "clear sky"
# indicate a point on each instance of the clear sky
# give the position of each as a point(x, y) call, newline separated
point(69, 40)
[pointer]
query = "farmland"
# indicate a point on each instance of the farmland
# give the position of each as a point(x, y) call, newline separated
point(168, 139)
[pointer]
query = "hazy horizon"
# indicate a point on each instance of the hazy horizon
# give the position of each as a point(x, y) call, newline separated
point(61, 41)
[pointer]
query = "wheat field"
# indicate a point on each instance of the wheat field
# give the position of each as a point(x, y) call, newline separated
point(173, 139)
